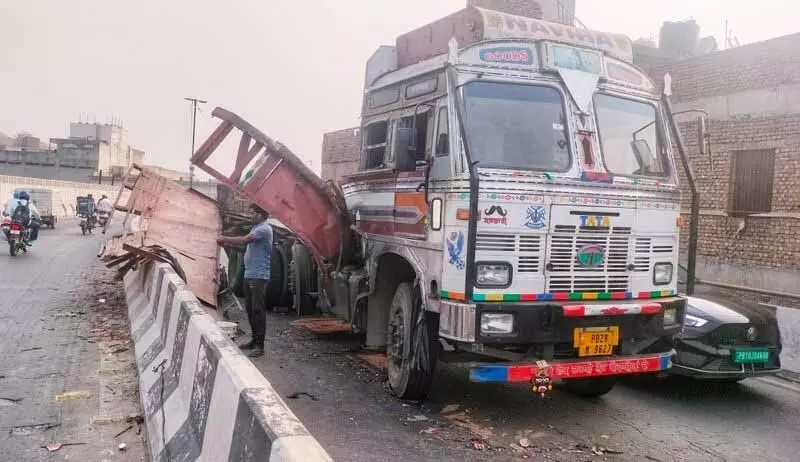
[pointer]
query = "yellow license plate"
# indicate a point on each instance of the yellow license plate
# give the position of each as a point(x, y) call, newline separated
point(595, 341)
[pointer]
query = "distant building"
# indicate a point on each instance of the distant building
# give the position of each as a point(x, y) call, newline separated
point(91, 153)
point(750, 182)
point(340, 153)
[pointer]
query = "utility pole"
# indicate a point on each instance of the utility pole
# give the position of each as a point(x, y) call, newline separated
point(194, 102)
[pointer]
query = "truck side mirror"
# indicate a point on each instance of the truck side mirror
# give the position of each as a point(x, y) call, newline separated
point(443, 145)
point(702, 135)
point(405, 150)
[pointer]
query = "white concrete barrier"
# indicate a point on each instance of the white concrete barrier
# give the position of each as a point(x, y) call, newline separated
point(202, 398)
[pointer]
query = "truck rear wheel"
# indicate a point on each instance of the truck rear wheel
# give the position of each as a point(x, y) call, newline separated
point(236, 272)
point(303, 275)
point(411, 346)
point(589, 388)
point(277, 278)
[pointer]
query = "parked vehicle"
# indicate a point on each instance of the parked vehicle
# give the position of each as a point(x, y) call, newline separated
point(16, 235)
point(727, 339)
point(516, 208)
point(44, 199)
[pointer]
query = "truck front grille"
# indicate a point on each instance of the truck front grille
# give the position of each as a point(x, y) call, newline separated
point(565, 274)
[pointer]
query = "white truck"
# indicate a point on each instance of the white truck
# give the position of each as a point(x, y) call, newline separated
point(45, 202)
point(516, 206)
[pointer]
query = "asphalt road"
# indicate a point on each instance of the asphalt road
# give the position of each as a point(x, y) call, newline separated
point(66, 365)
point(356, 419)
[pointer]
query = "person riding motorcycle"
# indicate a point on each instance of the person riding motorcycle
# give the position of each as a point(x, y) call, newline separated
point(26, 214)
point(104, 205)
point(92, 208)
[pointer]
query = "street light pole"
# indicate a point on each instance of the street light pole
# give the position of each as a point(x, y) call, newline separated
point(194, 102)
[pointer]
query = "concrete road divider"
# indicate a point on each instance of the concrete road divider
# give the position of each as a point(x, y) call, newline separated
point(203, 399)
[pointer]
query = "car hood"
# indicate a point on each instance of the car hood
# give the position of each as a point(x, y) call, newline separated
point(724, 310)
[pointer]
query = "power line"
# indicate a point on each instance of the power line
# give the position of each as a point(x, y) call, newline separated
point(194, 102)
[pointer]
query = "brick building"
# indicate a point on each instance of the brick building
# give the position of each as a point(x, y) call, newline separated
point(749, 228)
point(340, 153)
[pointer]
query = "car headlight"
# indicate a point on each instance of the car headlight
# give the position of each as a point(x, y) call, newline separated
point(670, 316)
point(694, 321)
point(662, 273)
point(493, 274)
point(497, 323)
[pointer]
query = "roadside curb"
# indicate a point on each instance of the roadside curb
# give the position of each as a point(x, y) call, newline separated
point(789, 376)
point(202, 398)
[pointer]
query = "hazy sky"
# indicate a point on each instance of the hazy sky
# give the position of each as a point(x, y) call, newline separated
point(292, 68)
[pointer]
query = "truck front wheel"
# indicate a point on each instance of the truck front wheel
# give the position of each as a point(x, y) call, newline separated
point(589, 388)
point(411, 346)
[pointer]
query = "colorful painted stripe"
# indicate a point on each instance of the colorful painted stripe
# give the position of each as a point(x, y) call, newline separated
point(574, 296)
point(579, 311)
point(457, 296)
point(571, 369)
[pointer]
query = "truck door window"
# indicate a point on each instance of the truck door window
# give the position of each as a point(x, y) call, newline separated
point(629, 136)
point(375, 145)
point(421, 125)
point(442, 134)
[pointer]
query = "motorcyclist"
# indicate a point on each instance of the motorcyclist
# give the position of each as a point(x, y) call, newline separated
point(104, 205)
point(91, 211)
point(34, 220)
point(11, 204)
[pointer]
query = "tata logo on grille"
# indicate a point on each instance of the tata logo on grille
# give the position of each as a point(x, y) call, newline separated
point(590, 256)
point(752, 333)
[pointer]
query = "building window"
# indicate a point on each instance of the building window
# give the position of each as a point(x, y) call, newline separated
point(375, 145)
point(752, 174)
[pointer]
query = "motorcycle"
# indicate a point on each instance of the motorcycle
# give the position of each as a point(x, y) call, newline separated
point(102, 219)
point(86, 224)
point(16, 234)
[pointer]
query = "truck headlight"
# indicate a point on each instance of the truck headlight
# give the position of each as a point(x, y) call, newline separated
point(497, 323)
point(493, 274)
point(662, 273)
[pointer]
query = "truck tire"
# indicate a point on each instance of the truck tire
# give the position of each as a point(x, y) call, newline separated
point(303, 273)
point(589, 388)
point(277, 278)
point(411, 351)
point(236, 272)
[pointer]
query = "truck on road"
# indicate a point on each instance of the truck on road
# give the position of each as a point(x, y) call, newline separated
point(516, 207)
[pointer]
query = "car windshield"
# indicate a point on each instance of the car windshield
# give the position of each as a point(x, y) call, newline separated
point(628, 136)
point(516, 126)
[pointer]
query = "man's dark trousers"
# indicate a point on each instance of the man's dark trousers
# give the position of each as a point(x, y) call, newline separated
point(255, 303)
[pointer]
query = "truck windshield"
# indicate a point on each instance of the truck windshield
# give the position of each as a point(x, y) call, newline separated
point(516, 126)
point(628, 136)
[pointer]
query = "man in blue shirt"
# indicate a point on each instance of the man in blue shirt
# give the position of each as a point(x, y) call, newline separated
point(257, 259)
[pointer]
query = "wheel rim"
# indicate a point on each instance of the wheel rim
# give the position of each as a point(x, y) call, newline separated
point(396, 345)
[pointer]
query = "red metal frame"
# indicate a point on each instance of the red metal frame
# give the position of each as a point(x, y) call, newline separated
point(282, 185)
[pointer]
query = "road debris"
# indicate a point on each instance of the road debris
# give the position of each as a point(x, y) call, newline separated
point(605, 437)
point(67, 395)
point(53, 447)
point(430, 431)
point(417, 418)
point(9, 401)
point(130, 427)
point(22, 430)
point(32, 349)
point(122, 447)
point(101, 300)
point(525, 443)
point(478, 445)
point(450, 408)
point(601, 451)
point(298, 394)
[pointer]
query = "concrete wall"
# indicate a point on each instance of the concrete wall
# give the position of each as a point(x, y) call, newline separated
point(47, 172)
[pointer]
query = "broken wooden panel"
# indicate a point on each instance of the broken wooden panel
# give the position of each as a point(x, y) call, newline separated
point(173, 219)
point(273, 177)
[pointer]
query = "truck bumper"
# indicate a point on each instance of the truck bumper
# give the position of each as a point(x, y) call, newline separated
point(571, 369)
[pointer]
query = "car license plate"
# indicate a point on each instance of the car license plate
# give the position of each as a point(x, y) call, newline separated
point(595, 341)
point(750, 356)
point(14, 231)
